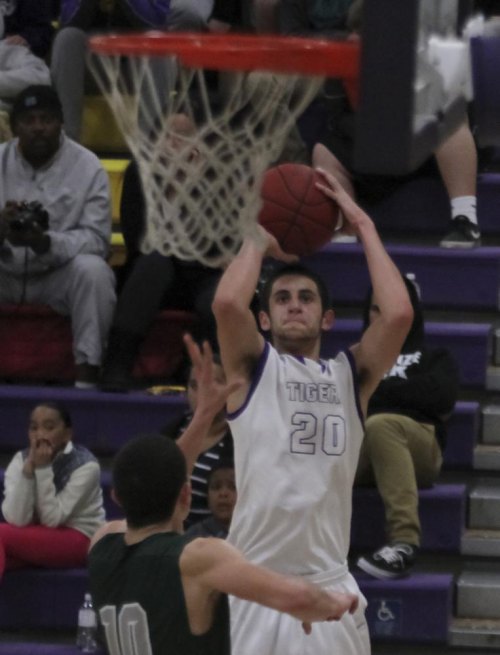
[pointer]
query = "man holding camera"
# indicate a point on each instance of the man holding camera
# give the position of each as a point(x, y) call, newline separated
point(55, 223)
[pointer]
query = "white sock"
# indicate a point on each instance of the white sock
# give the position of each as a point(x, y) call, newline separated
point(464, 206)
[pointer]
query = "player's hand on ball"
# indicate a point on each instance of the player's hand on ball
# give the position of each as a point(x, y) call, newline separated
point(273, 248)
point(352, 213)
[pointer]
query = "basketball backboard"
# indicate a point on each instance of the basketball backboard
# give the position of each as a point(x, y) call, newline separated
point(414, 82)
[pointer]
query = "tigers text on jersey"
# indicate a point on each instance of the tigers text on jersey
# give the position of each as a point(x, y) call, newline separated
point(297, 441)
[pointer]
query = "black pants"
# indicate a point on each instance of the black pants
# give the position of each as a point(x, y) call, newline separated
point(156, 282)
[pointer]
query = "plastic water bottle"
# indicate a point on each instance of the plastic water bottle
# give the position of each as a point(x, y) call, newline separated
point(86, 636)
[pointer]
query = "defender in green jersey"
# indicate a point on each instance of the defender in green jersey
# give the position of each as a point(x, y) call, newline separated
point(156, 591)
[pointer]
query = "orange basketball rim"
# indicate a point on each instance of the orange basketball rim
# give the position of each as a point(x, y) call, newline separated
point(243, 52)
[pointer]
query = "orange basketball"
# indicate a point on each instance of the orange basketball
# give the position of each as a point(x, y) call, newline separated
point(298, 214)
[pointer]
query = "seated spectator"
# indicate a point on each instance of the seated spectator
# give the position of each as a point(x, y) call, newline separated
point(405, 435)
point(154, 282)
point(52, 498)
point(455, 160)
point(221, 502)
point(28, 23)
point(175, 587)
point(58, 259)
point(217, 446)
point(81, 18)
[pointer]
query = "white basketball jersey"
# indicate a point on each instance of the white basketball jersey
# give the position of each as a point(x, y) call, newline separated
point(297, 441)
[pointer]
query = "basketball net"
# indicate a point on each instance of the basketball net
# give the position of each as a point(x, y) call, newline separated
point(201, 153)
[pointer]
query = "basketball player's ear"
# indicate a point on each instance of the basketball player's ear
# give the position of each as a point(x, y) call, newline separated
point(185, 498)
point(264, 321)
point(328, 319)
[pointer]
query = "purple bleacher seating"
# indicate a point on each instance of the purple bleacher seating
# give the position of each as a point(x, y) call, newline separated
point(101, 421)
point(419, 606)
point(41, 598)
point(442, 511)
point(33, 648)
point(416, 609)
point(485, 57)
point(421, 207)
point(469, 343)
point(448, 278)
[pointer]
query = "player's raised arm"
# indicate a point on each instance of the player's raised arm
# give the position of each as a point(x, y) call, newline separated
point(239, 339)
point(212, 397)
point(381, 342)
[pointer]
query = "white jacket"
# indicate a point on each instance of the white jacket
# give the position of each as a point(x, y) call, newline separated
point(19, 68)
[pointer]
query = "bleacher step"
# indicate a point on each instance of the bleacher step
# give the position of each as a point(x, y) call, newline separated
point(452, 278)
point(416, 609)
point(421, 207)
point(469, 344)
point(491, 424)
point(493, 378)
point(462, 436)
point(481, 543)
point(487, 457)
point(484, 506)
point(102, 421)
point(41, 598)
point(478, 595)
point(36, 648)
point(475, 633)
point(442, 510)
point(496, 346)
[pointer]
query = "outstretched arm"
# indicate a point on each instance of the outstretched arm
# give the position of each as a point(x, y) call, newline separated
point(213, 564)
point(212, 397)
point(239, 338)
point(381, 342)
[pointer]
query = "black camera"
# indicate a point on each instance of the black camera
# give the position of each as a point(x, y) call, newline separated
point(30, 215)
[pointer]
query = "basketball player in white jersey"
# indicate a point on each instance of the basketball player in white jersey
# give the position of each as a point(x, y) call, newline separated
point(297, 423)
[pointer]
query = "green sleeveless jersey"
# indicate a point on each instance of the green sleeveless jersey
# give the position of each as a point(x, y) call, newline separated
point(138, 593)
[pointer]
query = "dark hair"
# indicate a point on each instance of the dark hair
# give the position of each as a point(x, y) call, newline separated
point(36, 96)
point(298, 270)
point(222, 463)
point(57, 407)
point(148, 474)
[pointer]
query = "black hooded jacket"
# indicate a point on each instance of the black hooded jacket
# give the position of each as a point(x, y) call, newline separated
point(423, 384)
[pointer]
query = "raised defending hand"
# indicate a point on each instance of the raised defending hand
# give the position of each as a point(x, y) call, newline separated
point(212, 395)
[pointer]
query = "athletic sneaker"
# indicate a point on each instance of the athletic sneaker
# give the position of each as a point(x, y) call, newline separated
point(463, 234)
point(394, 561)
